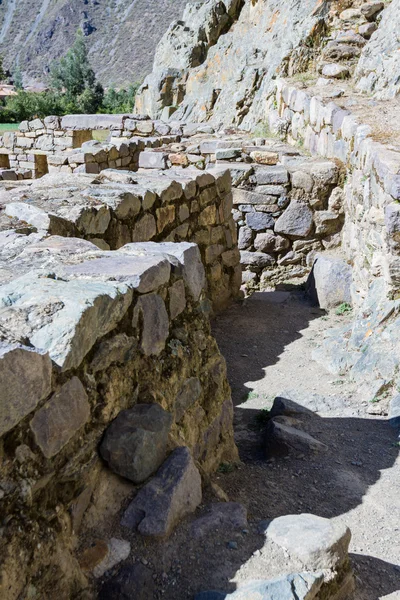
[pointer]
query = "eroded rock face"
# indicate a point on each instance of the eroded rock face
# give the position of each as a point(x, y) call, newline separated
point(378, 69)
point(232, 68)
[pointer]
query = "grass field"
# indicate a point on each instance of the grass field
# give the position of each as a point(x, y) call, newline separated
point(8, 127)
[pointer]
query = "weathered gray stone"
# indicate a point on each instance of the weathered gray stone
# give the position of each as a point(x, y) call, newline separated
point(327, 222)
point(172, 494)
point(296, 221)
point(118, 349)
point(61, 418)
point(298, 586)
point(186, 255)
point(258, 221)
point(370, 9)
point(283, 439)
point(153, 160)
point(118, 550)
point(151, 313)
point(302, 180)
point(177, 299)
point(319, 543)
point(256, 259)
point(225, 515)
point(246, 197)
point(188, 395)
point(25, 380)
point(335, 70)
point(269, 242)
point(227, 153)
point(330, 281)
point(135, 444)
point(145, 229)
point(271, 176)
point(374, 75)
point(245, 237)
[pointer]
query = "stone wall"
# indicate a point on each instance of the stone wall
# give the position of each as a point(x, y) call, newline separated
point(372, 186)
point(120, 207)
point(65, 144)
point(86, 334)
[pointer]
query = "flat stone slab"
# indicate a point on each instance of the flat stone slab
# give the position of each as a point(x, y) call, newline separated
point(319, 543)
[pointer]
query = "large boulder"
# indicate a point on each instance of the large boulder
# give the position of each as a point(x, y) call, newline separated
point(296, 221)
point(135, 444)
point(329, 283)
point(172, 494)
point(318, 542)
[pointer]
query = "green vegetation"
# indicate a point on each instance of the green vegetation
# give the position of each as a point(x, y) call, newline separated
point(226, 467)
point(2, 72)
point(343, 309)
point(8, 127)
point(73, 90)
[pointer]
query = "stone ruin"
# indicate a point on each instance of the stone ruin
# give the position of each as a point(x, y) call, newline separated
point(114, 255)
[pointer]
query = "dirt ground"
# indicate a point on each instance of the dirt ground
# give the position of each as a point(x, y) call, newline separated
point(267, 342)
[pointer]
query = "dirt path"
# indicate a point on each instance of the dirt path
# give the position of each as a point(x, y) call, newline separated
point(267, 342)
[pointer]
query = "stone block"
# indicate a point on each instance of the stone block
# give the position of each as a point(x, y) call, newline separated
point(150, 311)
point(296, 221)
point(271, 175)
point(61, 418)
point(319, 543)
point(145, 229)
point(177, 299)
point(25, 380)
point(87, 122)
point(188, 395)
point(264, 157)
point(258, 260)
point(135, 444)
point(259, 221)
point(330, 282)
point(171, 495)
point(153, 160)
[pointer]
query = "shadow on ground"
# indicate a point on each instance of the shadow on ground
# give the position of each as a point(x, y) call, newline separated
point(254, 336)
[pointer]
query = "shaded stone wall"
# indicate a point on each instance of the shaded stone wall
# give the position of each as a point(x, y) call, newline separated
point(372, 186)
point(84, 335)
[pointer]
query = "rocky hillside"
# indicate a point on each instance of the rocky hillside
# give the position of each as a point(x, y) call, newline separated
point(221, 61)
point(121, 34)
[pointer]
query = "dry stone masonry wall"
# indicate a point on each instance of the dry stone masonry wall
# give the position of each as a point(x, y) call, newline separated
point(87, 333)
point(372, 184)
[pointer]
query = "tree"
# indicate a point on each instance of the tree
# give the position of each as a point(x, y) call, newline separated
point(17, 79)
point(2, 72)
point(74, 77)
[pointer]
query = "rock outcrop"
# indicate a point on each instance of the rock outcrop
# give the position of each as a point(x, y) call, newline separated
point(210, 71)
point(378, 69)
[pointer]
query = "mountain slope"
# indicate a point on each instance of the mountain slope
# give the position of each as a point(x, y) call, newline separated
point(122, 34)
